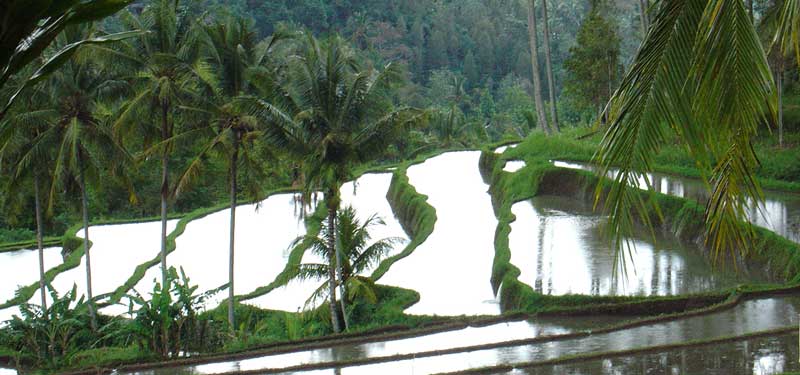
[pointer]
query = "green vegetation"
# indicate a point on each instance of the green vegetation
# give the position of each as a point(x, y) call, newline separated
point(357, 253)
point(184, 108)
point(776, 254)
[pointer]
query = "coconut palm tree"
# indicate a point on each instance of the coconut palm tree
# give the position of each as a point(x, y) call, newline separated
point(449, 128)
point(701, 75)
point(358, 252)
point(79, 135)
point(164, 71)
point(548, 66)
point(537, 81)
point(331, 115)
point(18, 132)
point(232, 50)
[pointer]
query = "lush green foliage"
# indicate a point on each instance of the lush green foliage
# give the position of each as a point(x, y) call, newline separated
point(167, 323)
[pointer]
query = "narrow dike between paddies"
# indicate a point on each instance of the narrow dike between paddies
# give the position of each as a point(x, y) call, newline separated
point(264, 231)
point(116, 250)
point(548, 337)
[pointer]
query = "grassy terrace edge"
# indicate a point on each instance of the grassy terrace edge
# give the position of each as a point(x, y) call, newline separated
point(703, 304)
point(778, 255)
point(418, 219)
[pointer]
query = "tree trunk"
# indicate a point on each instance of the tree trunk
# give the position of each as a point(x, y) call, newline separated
point(332, 266)
point(234, 190)
point(537, 84)
point(779, 84)
point(551, 83)
point(165, 135)
point(39, 236)
point(643, 17)
point(342, 289)
point(85, 213)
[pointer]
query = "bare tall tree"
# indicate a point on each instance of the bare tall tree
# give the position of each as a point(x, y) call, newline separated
point(551, 84)
point(537, 84)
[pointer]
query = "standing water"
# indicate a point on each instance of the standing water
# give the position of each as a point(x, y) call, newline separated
point(559, 246)
point(368, 197)
point(21, 268)
point(263, 234)
point(116, 251)
point(452, 268)
point(780, 212)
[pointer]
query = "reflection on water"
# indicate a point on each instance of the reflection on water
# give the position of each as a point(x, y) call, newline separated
point(747, 317)
point(452, 268)
point(779, 213)
point(759, 356)
point(559, 247)
point(21, 268)
point(470, 336)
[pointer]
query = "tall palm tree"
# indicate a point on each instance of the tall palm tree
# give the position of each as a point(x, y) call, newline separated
point(702, 74)
point(232, 49)
point(537, 81)
point(551, 82)
point(18, 132)
point(164, 71)
point(334, 116)
point(80, 134)
point(358, 254)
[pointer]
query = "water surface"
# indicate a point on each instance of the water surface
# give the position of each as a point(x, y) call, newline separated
point(558, 243)
point(452, 268)
point(758, 356)
point(780, 212)
point(264, 232)
point(438, 341)
point(748, 317)
point(368, 197)
point(21, 268)
point(116, 251)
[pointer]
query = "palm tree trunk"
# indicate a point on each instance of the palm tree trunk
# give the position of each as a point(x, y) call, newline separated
point(779, 84)
point(164, 196)
point(332, 267)
point(342, 290)
point(551, 83)
point(85, 213)
point(537, 84)
point(234, 190)
point(39, 235)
